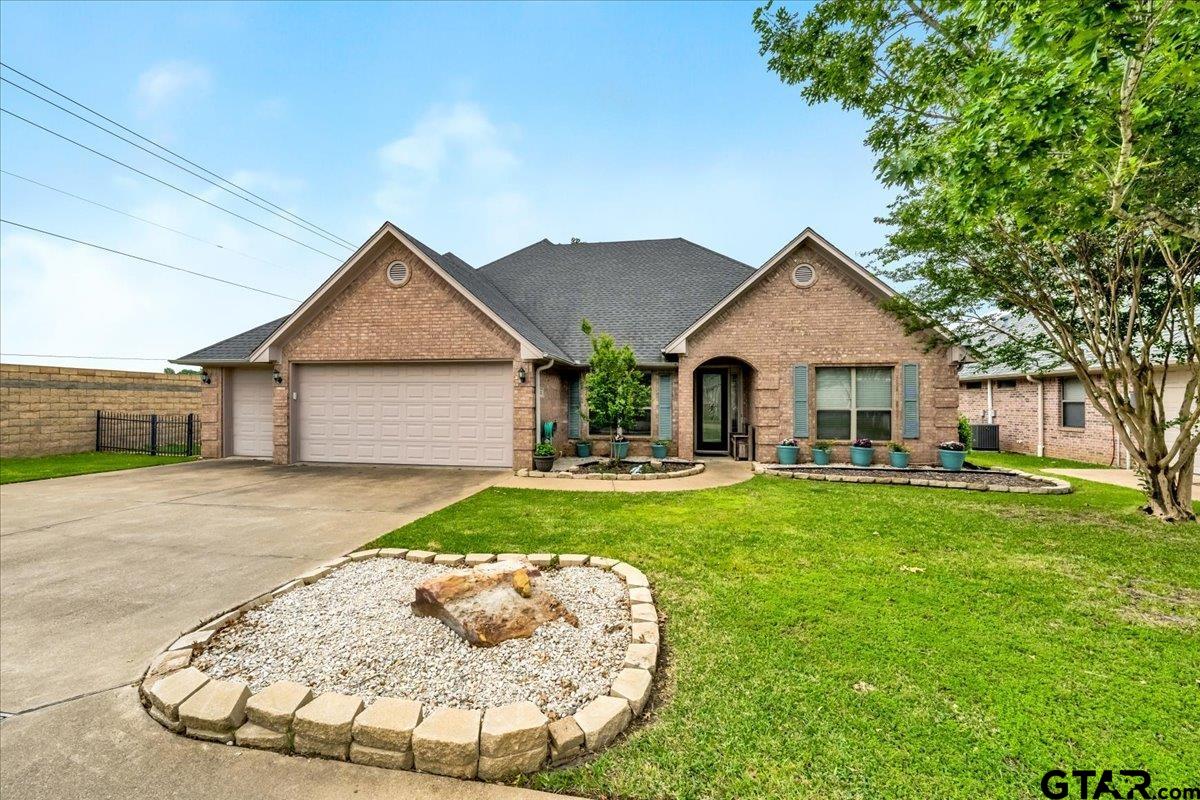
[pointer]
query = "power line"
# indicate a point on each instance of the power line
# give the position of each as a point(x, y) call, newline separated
point(147, 260)
point(166, 160)
point(139, 219)
point(167, 184)
point(95, 358)
point(172, 152)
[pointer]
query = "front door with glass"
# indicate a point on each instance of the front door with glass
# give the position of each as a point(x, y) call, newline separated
point(712, 410)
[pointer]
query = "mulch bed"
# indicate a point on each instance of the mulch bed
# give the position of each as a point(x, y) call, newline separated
point(969, 476)
point(628, 467)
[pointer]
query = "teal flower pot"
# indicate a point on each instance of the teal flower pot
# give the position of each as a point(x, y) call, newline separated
point(620, 450)
point(899, 460)
point(583, 449)
point(952, 460)
point(658, 450)
point(820, 457)
point(861, 456)
point(787, 455)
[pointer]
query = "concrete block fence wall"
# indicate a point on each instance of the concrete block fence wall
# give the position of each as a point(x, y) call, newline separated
point(497, 743)
point(50, 410)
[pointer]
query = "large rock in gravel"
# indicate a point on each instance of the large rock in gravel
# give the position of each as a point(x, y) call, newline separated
point(490, 604)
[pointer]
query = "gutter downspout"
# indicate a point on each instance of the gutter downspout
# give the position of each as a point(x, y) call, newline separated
point(537, 400)
point(991, 412)
point(1041, 433)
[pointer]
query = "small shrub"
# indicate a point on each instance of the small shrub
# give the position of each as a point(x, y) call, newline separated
point(965, 434)
point(663, 442)
point(863, 441)
point(545, 449)
point(898, 447)
point(824, 445)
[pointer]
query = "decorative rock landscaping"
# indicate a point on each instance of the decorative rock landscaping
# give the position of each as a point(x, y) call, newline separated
point(979, 480)
point(596, 469)
point(335, 665)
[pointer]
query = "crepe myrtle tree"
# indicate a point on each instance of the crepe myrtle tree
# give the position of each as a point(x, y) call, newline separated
point(615, 390)
point(1046, 161)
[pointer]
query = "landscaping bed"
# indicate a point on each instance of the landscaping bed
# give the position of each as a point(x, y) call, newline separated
point(980, 479)
point(610, 467)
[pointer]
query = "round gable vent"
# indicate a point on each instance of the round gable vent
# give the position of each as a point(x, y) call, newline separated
point(804, 275)
point(398, 273)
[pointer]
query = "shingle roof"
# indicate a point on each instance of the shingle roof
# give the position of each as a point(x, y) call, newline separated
point(644, 293)
point(235, 348)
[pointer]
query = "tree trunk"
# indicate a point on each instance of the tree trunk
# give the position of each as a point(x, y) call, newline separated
point(1169, 494)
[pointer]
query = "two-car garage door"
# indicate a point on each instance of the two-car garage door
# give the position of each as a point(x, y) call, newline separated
point(433, 414)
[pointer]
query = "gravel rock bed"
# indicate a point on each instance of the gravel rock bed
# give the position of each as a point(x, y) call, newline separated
point(981, 476)
point(627, 467)
point(352, 632)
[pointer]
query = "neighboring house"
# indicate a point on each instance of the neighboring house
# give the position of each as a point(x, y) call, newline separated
point(1048, 413)
point(410, 356)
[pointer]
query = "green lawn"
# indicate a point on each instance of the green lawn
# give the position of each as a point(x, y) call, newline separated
point(36, 468)
point(828, 640)
point(1024, 462)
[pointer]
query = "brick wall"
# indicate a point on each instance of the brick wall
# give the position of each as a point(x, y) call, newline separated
point(370, 320)
point(775, 325)
point(47, 410)
point(1016, 412)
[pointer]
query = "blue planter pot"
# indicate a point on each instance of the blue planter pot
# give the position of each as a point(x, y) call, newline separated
point(658, 450)
point(620, 450)
point(582, 449)
point(952, 460)
point(861, 456)
point(787, 455)
point(820, 457)
point(899, 460)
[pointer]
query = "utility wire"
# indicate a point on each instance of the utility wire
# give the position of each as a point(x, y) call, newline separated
point(146, 260)
point(139, 219)
point(96, 358)
point(167, 184)
point(166, 160)
point(172, 152)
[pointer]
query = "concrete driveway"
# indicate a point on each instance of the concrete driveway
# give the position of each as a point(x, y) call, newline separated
point(99, 572)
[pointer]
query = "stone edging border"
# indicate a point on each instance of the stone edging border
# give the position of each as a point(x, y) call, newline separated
point(1053, 485)
point(695, 469)
point(497, 744)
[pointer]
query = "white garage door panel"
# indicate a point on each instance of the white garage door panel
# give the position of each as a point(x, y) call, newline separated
point(1173, 403)
point(443, 414)
point(253, 391)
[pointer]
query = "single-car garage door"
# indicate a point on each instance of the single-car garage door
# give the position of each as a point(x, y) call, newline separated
point(253, 391)
point(432, 414)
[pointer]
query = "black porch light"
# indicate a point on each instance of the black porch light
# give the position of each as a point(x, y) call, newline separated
point(521, 374)
point(276, 376)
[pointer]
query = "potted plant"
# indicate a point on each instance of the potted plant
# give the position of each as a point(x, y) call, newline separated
point(862, 452)
point(899, 455)
point(616, 388)
point(787, 451)
point(583, 448)
point(543, 456)
point(821, 450)
point(659, 448)
point(952, 455)
point(620, 447)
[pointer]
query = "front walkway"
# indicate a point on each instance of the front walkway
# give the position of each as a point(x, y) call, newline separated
point(1115, 477)
point(717, 472)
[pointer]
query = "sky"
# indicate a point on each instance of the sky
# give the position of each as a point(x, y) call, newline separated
point(477, 128)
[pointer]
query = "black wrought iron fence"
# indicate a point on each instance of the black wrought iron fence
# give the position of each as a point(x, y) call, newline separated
point(155, 434)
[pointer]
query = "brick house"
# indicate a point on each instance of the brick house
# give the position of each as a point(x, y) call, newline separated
point(408, 356)
point(1048, 413)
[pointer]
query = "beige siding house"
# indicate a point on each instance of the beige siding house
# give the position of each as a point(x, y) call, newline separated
point(409, 356)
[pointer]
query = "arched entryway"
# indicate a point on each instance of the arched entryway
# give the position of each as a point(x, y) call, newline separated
point(722, 413)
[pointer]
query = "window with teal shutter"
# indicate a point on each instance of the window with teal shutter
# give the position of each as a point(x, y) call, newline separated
point(800, 401)
point(665, 383)
point(573, 419)
point(912, 401)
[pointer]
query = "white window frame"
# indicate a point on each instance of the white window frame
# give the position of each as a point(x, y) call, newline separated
point(854, 409)
point(1063, 401)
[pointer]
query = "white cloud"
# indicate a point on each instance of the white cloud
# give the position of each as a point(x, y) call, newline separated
point(461, 131)
point(164, 83)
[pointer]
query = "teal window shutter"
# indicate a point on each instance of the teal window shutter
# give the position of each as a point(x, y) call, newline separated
point(800, 401)
point(574, 425)
point(665, 383)
point(912, 401)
